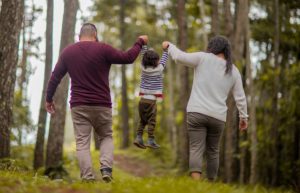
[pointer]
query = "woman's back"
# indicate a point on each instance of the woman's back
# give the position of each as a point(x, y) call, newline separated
point(211, 86)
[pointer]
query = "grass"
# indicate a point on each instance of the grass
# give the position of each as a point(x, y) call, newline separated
point(26, 181)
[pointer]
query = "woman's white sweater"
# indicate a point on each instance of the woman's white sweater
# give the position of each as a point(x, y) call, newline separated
point(211, 85)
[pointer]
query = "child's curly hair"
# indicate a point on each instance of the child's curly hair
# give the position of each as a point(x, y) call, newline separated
point(150, 59)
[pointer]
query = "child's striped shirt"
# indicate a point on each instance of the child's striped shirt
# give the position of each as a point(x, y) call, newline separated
point(152, 78)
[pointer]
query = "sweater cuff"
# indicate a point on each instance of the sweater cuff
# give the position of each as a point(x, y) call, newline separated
point(49, 100)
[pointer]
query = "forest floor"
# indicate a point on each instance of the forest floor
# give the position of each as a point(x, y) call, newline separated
point(134, 172)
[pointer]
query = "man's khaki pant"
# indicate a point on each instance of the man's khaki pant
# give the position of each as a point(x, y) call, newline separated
point(84, 119)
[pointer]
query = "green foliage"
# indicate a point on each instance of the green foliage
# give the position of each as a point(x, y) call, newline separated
point(21, 113)
point(21, 117)
point(57, 172)
point(13, 165)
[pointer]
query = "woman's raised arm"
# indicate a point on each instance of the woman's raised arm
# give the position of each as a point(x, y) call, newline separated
point(187, 59)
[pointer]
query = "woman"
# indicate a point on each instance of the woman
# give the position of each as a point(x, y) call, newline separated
point(214, 77)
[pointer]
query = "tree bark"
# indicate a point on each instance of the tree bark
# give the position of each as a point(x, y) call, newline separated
point(202, 16)
point(237, 40)
point(215, 29)
point(57, 122)
point(183, 152)
point(10, 21)
point(125, 109)
point(171, 120)
point(252, 109)
point(228, 19)
point(228, 143)
point(274, 131)
point(40, 138)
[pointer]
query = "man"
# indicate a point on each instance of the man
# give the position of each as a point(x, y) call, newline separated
point(88, 63)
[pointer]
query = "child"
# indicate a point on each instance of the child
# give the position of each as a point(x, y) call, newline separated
point(151, 89)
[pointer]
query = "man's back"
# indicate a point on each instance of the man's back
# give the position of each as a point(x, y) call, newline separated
point(89, 70)
point(88, 64)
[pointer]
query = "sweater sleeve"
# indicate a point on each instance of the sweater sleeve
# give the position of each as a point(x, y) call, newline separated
point(58, 73)
point(187, 59)
point(239, 97)
point(164, 59)
point(115, 56)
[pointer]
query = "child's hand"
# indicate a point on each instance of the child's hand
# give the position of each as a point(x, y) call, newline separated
point(145, 38)
point(165, 45)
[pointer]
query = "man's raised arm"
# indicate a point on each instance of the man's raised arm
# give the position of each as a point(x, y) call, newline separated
point(115, 56)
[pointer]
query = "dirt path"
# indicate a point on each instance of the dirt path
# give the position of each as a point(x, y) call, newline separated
point(134, 166)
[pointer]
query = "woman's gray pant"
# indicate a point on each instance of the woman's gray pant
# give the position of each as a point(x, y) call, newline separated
point(204, 135)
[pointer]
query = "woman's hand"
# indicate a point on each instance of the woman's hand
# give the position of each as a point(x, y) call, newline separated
point(243, 124)
point(165, 45)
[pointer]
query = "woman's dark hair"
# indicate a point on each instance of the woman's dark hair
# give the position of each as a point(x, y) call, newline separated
point(220, 44)
point(150, 59)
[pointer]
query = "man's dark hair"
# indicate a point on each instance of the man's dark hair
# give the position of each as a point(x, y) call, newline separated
point(150, 59)
point(89, 30)
point(218, 45)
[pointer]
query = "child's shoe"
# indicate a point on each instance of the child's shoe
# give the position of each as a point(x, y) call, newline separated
point(139, 142)
point(152, 144)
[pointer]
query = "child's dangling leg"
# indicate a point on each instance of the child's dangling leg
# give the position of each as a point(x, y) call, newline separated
point(142, 124)
point(151, 126)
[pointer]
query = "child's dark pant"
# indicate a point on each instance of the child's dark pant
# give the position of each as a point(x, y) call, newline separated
point(147, 111)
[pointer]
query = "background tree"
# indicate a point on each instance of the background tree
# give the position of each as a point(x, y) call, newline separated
point(57, 122)
point(28, 45)
point(125, 111)
point(40, 138)
point(10, 21)
point(215, 17)
point(184, 87)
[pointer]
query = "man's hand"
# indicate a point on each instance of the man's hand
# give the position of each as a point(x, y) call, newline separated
point(145, 38)
point(165, 45)
point(243, 124)
point(50, 107)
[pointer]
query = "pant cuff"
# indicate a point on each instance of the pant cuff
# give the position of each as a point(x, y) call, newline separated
point(195, 170)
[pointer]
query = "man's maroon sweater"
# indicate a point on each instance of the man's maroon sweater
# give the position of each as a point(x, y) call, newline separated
point(88, 64)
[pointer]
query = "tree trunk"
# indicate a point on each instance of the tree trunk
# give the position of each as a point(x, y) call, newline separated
point(183, 152)
point(215, 29)
point(125, 109)
point(274, 131)
point(252, 108)
point(232, 117)
point(10, 21)
point(228, 19)
point(202, 16)
point(231, 126)
point(243, 11)
point(171, 120)
point(227, 141)
point(40, 138)
point(239, 27)
point(57, 122)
